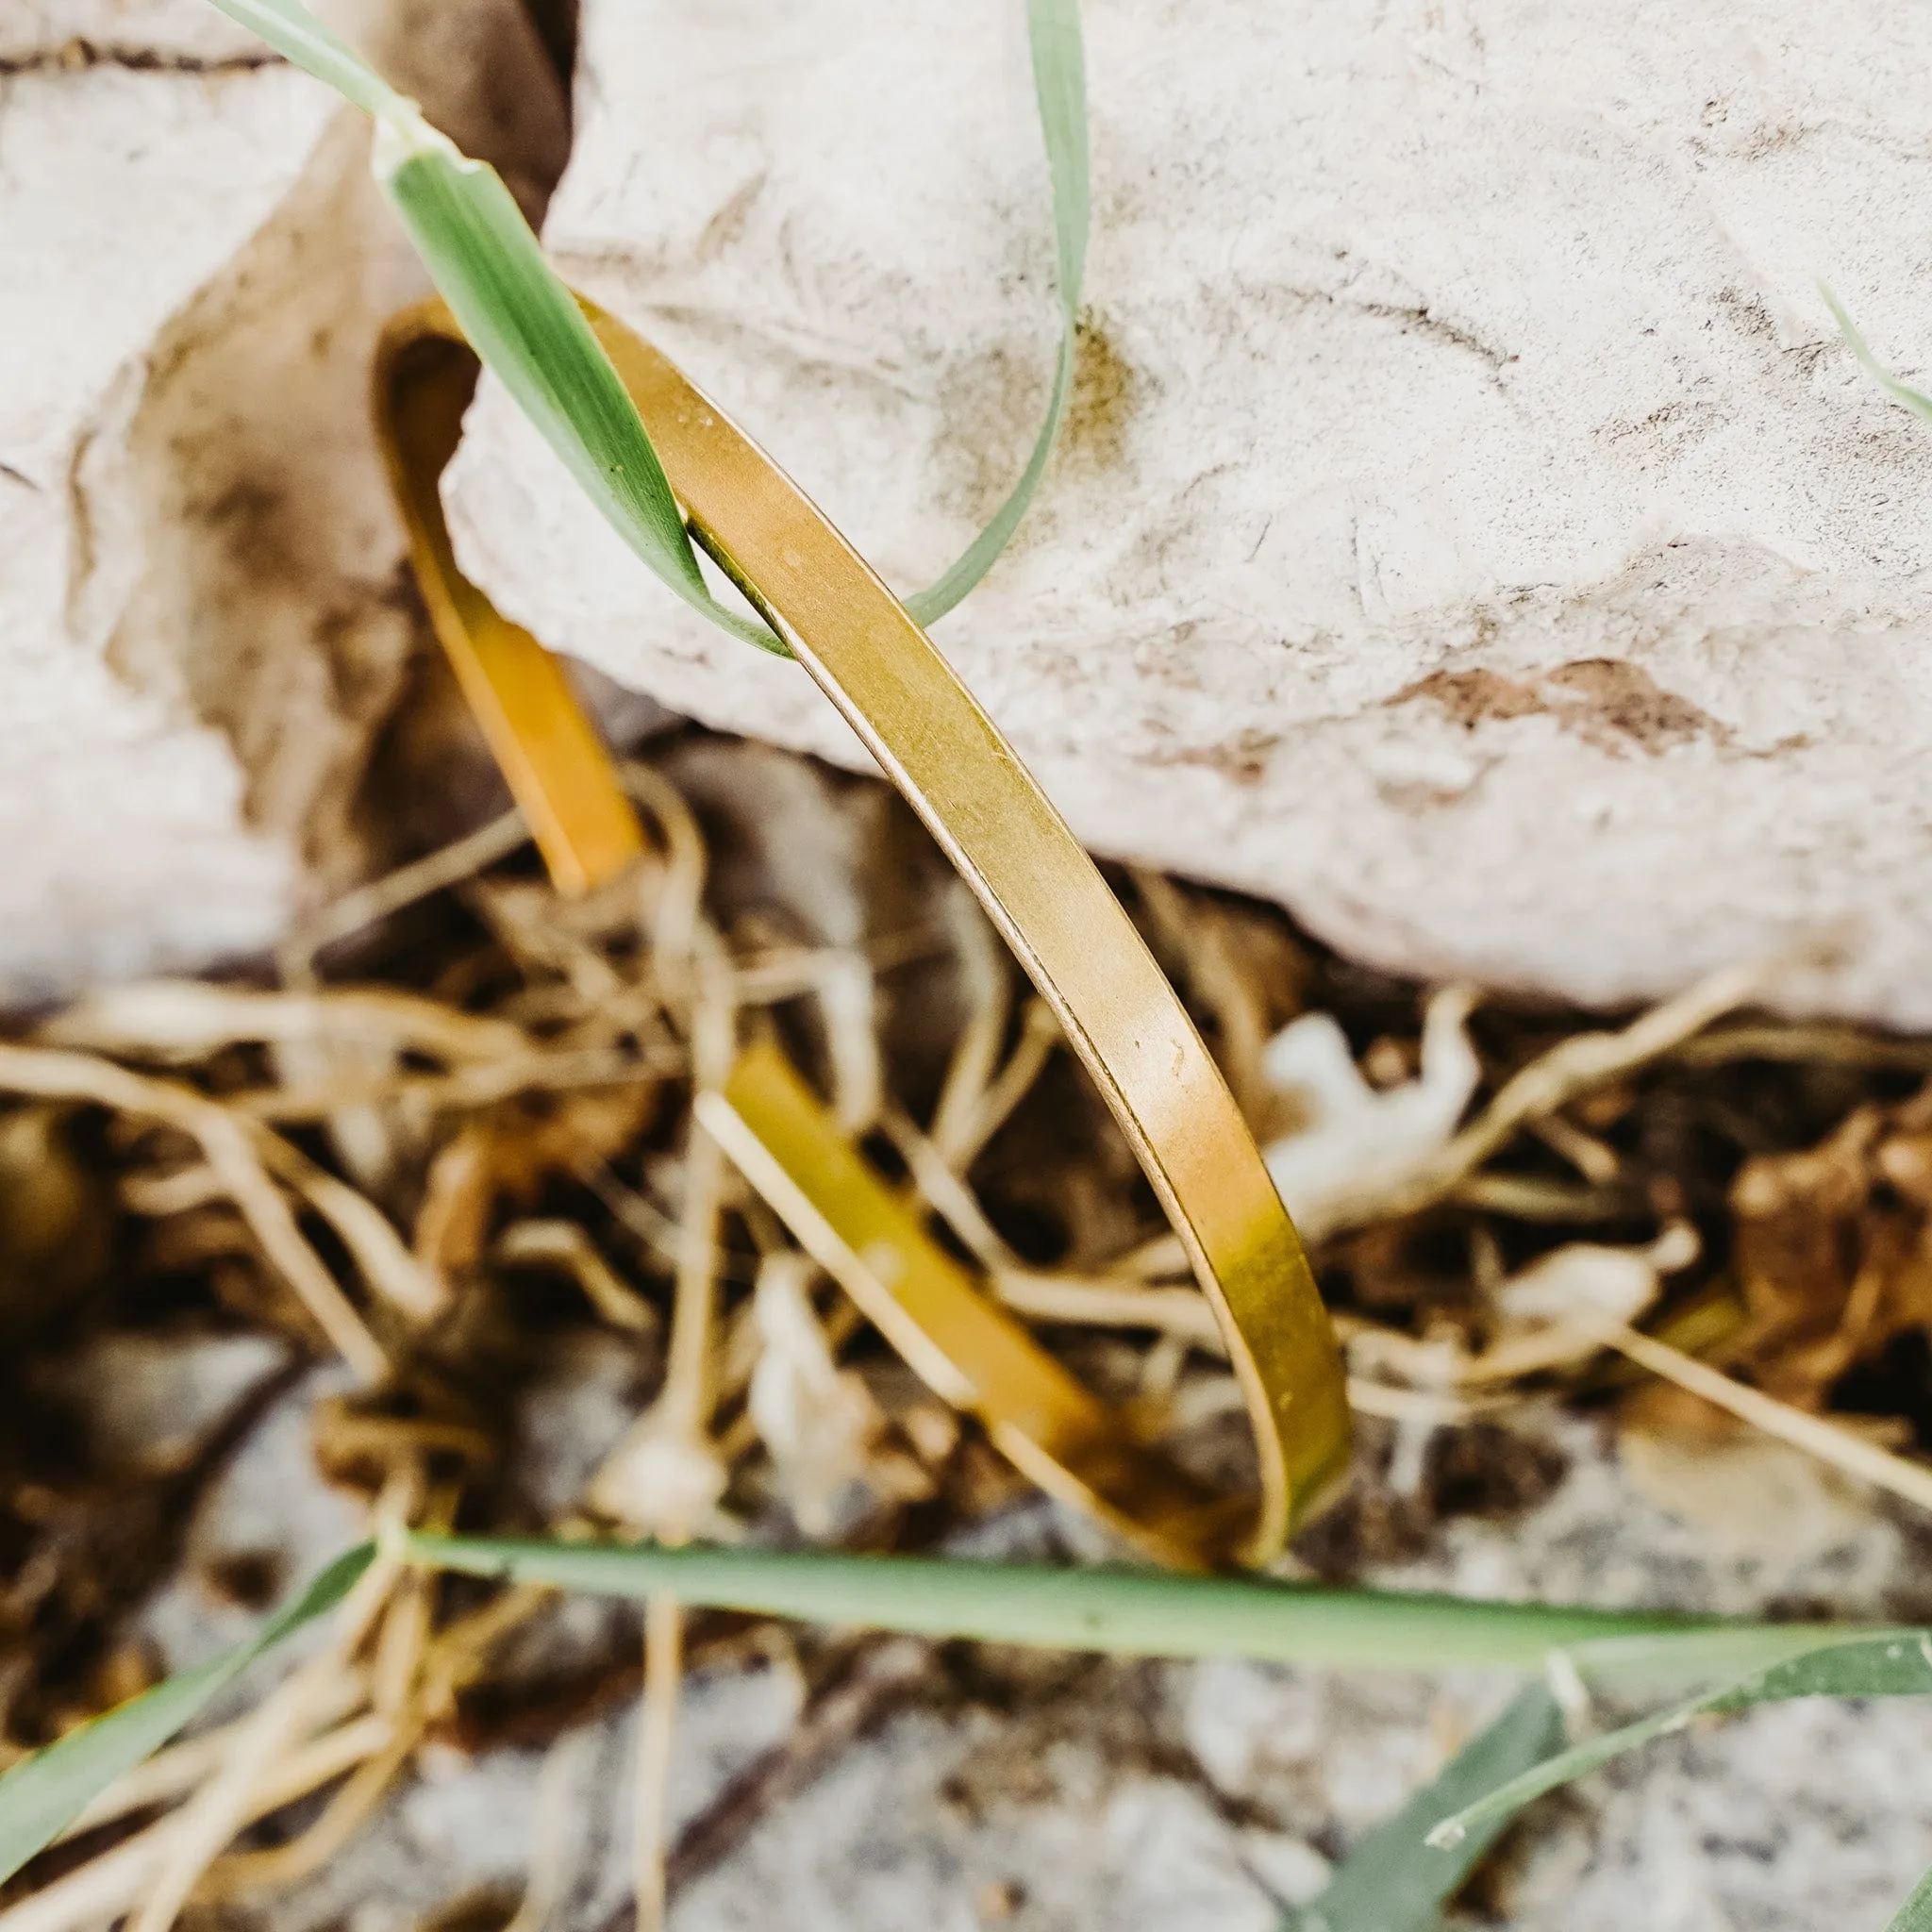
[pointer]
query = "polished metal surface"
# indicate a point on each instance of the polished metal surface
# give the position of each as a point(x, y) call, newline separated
point(965, 1347)
point(549, 753)
point(1036, 883)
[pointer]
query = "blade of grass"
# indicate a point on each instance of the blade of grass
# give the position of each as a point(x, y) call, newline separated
point(1134, 1612)
point(42, 1794)
point(1394, 1880)
point(1915, 1915)
point(298, 37)
point(528, 329)
point(518, 315)
point(1059, 80)
point(1899, 391)
point(1893, 1663)
point(527, 325)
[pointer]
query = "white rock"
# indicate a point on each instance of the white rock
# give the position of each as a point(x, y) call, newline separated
point(43, 32)
point(1472, 532)
point(199, 625)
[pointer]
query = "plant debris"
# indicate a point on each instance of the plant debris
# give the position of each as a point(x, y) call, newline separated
point(455, 1144)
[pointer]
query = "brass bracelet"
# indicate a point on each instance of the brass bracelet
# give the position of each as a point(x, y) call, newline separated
point(989, 814)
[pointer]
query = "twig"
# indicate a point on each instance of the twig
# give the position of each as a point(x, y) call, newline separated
point(1813, 1434)
point(1039, 1034)
point(656, 1735)
point(228, 1145)
point(105, 1888)
point(368, 903)
point(212, 1817)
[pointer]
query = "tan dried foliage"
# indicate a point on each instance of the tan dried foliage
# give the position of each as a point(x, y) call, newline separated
point(1834, 1252)
point(424, 1155)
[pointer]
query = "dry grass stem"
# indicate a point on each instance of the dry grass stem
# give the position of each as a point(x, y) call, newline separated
point(947, 1196)
point(987, 972)
point(656, 1738)
point(106, 1888)
point(547, 1883)
point(560, 1060)
point(347, 1811)
point(186, 1019)
point(1039, 1034)
point(1579, 1065)
point(564, 1244)
point(1094, 1302)
point(1532, 1198)
point(221, 1807)
point(675, 893)
point(1196, 934)
point(377, 1250)
point(1825, 1440)
point(381, 899)
point(1595, 1161)
point(464, 1090)
point(182, 1767)
point(230, 1150)
point(1839, 1046)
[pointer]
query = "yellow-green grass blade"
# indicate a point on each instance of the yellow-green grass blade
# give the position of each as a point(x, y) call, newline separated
point(1128, 1612)
point(297, 36)
point(41, 1795)
point(528, 328)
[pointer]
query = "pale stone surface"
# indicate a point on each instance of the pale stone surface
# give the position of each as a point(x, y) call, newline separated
point(1471, 533)
point(200, 623)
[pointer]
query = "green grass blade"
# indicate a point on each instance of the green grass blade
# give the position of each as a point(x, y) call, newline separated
point(1899, 391)
point(297, 36)
point(1894, 1663)
point(516, 312)
point(43, 1795)
point(1132, 1613)
point(526, 325)
point(1915, 1915)
point(1059, 81)
point(1394, 1880)
point(528, 330)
